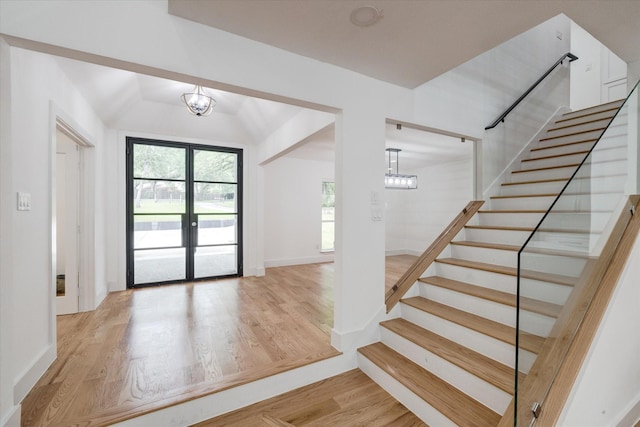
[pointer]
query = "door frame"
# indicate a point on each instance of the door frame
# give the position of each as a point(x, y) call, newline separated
point(129, 259)
point(59, 120)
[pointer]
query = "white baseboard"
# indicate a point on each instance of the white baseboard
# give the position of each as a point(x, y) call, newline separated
point(12, 419)
point(350, 341)
point(328, 257)
point(396, 252)
point(31, 376)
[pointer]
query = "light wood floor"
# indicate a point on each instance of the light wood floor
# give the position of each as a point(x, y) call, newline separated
point(145, 349)
point(350, 399)
point(395, 266)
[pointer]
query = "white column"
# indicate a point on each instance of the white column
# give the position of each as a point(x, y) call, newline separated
point(633, 141)
point(359, 265)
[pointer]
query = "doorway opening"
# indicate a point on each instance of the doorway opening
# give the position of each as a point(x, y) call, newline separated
point(184, 212)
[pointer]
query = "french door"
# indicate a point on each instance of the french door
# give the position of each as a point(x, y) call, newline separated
point(184, 212)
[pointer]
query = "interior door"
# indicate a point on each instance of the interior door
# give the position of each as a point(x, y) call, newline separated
point(67, 224)
point(184, 212)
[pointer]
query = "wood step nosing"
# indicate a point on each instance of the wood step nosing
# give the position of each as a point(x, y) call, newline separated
point(621, 101)
point(551, 147)
point(550, 138)
point(556, 128)
point(573, 165)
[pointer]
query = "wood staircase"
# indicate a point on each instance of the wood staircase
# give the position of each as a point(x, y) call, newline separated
point(450, 355)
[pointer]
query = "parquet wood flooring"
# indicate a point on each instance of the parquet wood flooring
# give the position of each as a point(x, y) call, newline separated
point(146, 349)
point(350, 399)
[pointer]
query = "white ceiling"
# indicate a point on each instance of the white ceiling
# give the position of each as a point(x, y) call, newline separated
point(416, 40)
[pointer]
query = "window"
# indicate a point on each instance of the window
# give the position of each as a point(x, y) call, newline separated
point(328, 216)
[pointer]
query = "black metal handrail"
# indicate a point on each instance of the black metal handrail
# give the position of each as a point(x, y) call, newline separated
point(500, 119)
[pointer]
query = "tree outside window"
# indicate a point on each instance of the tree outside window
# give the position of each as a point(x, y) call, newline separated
point(328, 216)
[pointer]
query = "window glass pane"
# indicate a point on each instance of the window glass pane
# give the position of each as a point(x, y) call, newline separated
point(159, 265)
point(157, 231)
point(214, 198)
point(216, 261)
point(328, 233)
point(214, 166)
point(217, 229)
point(328, 216)
point(158, 197)
point(156, 161)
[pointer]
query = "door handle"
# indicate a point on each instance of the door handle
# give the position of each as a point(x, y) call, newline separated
point(193, 224)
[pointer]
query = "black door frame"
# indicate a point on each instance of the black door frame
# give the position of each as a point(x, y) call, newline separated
point(189, 233)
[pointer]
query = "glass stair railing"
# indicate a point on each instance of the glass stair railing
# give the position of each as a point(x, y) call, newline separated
point(563, 261)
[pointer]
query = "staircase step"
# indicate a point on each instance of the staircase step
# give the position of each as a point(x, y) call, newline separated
point(613, 105)
point(547, 186)
point(445, 398)
point(491, 371)
point(538, 174)
point(554, 160)
point(528, 304)
point(580, 126)
point(594, 115)
point(563, 148)
point(510, 271)
point(499, 331)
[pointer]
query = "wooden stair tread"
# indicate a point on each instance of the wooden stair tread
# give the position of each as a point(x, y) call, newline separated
point(566, 144)
point(481, 366)
point(573, 165)
point(508, 211)
point(499, 227)
point(510, 271)
point(515, 196)
point(540, 181)
point(499, 246)
point(586, 122)
point(479, 324)
point(448, 400)
point(549, 138)
point(553, 156)
point(528, 304)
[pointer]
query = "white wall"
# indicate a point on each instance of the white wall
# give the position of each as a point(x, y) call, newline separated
point(599, 76)
point(414, 218)
point(607, 390)
point(471, 96)
point(292, 210)
point(37, 87)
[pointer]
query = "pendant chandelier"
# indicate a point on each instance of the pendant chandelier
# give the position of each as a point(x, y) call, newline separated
point(393, 179)
point(198, 102)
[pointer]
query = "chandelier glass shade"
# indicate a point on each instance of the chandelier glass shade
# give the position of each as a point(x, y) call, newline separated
point(395, 180)
point(198, 102)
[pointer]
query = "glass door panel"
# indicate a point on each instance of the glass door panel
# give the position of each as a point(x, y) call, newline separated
point(184, 212)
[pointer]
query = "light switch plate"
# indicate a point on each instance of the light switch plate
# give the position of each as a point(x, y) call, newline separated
point(24, 201)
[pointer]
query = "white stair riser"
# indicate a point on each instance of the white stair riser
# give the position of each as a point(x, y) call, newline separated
point(486, 255)
point(506, 237)
point(480, 390)
point(579, 220)
point(576, 127)
point(562, 149)
point(524, 219)
point(553, 161)
point(575, 242)
point(555, 264)
point(587, 202)
point(522, 203)
point(540, 175)
point(532, 188)
point(553, 292)
point(414, 403)
point(490, 347)
point(566, 121)
point(505, 314)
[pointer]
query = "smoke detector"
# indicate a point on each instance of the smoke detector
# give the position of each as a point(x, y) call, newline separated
point(365, 16)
